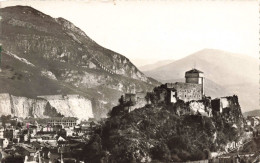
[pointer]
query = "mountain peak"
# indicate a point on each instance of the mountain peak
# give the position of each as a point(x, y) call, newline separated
point(208, 52)
point(23, 10)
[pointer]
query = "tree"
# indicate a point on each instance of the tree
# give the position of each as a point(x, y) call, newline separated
point(161, 152)
point(92, 152)
point(121, 100)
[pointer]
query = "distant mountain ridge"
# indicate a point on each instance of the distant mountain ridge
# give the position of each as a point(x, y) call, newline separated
point(237, 74)
point(48, 56)
point(155, 65)
point(252, 113)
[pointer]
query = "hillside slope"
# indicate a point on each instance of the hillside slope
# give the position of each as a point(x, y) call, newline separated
point(236, 73)
point(45, 56)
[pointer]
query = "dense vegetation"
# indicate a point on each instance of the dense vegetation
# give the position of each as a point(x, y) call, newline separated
point(155, 132)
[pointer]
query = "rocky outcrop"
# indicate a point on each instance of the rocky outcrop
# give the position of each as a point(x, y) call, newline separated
point(5, 104)
point(229, 108)
point(198, 107)
point(21, 106)
point(70, 105)
point(170, 132)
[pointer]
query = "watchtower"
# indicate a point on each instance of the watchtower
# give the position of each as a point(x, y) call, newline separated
point(196, 77)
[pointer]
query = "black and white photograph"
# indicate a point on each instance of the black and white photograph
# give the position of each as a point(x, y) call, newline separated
point(129, 81)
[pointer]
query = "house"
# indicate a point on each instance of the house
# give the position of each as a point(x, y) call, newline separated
point(253, 121)
point(9, 134)
point(4, 142)
point(69, 132)
point(25, 150)
point(61, 139)
point(1, 132)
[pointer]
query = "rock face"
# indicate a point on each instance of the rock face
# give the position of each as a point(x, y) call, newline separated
point(46, 106)
point(71, 105)
point(201, 108)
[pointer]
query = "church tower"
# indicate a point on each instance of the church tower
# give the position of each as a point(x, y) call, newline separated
point(196, 77)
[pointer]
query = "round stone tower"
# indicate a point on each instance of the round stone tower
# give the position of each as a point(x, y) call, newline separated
point(196, 77)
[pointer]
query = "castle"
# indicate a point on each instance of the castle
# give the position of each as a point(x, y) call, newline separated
point(185, 97)
point(192, 89)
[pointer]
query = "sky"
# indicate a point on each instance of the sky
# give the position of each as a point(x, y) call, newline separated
point(148, 31)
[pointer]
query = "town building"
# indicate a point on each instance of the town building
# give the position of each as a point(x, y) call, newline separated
point(253, 121)
point(4, 142)
point(9, 134)
point(63, 121)
point(1, 132)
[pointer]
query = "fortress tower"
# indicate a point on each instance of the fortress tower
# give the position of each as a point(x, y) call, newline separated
point(195, 76)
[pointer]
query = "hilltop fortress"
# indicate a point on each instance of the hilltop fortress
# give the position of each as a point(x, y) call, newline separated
point(183, 97)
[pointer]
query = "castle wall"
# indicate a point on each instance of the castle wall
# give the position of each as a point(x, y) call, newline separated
point(140, 96)
point(130, 97)
point(187, 91)
point(215, 104)
point(224, 102)
point(173, 97)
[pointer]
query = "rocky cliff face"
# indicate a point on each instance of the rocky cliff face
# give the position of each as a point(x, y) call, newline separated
point(46, 106)
point(71, 105)
point(45, 55)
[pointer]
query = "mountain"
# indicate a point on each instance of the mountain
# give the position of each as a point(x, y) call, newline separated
point(50, 56)
point(252, 113)
point(143, 61)
point(155, 65)
point(238, 74)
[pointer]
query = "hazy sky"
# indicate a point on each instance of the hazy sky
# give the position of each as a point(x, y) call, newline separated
point(156, 30)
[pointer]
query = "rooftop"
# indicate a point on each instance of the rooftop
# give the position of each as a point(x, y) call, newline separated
point(194, 71)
